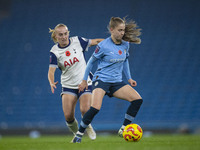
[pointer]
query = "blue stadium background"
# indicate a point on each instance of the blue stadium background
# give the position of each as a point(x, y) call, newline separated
point(166, 65)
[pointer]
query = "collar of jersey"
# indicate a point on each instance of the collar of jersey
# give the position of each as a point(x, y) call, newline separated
point(65, 46)
point(114, 42)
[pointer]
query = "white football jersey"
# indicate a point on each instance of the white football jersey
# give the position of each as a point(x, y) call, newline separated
point(71, 61)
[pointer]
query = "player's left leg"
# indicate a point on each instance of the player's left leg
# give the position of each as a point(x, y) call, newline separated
point(128, 93)
point(69, 103)
point(85, 102)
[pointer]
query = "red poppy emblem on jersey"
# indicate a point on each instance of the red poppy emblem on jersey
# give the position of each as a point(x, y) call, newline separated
point(120, 52)
point(67, 53)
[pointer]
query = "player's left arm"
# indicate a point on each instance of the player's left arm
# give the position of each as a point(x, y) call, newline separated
point(127, 73)
point(94, 42)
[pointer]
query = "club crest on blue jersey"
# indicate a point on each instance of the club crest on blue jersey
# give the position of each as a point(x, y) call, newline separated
point(97, 49)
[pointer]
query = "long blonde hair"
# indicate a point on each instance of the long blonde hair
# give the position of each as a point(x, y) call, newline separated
point(132, 32)
point(53, 33)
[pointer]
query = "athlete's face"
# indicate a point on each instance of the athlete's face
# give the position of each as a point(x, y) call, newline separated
point(118, 32)
point(62, 36)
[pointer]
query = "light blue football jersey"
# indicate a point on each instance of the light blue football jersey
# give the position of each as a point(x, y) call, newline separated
point(110, 60)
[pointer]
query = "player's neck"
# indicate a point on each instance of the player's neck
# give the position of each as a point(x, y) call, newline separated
point(64, 44)
point(117, 42)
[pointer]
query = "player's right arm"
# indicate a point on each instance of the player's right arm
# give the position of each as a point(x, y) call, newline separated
point(51, 73)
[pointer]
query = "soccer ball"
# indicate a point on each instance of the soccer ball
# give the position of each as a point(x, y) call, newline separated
point(132, 133)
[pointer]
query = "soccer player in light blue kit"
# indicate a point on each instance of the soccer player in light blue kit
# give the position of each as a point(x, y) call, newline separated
point(112, 56)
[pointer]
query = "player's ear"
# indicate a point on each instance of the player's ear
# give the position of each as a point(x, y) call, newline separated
point(111, 29)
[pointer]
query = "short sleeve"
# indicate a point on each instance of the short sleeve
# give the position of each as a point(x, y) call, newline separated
point(84, 43)
point(53, 60)
point(98, 53)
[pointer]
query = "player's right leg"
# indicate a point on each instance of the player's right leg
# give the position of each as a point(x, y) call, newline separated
point(68, 104)
point(129, 94)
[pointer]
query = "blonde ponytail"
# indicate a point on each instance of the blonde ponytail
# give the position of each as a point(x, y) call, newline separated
point(132, 32)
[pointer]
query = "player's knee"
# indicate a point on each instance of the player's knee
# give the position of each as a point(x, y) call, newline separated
point(69, 117)
point(134, 98)
point(84, 110)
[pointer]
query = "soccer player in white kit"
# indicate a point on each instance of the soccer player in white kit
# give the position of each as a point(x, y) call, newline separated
point(67, 55)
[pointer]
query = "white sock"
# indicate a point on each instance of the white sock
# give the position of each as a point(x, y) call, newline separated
point(123, 126)
point(79, 133)
point(73, 127)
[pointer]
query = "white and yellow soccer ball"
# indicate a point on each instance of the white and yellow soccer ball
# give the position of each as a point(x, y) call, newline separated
point(132, 133)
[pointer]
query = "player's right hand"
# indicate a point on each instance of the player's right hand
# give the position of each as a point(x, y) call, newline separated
point(53, 85)
point(83, 86)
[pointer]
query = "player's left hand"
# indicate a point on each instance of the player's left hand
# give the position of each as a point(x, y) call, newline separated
point(83, 86)
point(132, 82)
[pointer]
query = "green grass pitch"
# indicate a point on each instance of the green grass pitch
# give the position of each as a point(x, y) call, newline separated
point(112, 142)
